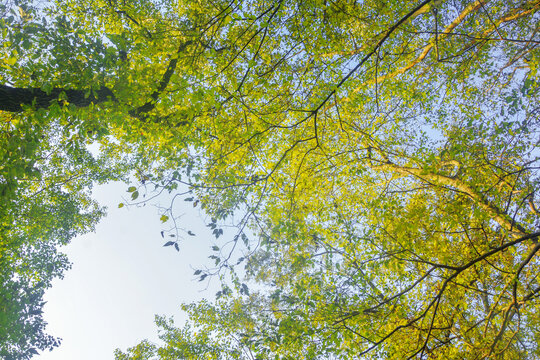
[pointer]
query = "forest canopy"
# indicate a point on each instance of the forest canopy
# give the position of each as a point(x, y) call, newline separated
point(378, 160)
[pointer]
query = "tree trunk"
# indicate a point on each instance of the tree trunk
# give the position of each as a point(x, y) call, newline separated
point(13, 99)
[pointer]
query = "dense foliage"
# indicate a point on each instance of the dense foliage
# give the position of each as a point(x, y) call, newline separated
point(379, 161)
point(46, 173)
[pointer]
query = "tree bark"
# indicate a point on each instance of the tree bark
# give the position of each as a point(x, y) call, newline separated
point(13, 99)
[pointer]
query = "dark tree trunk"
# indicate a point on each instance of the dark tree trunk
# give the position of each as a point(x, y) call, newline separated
point(13, 99)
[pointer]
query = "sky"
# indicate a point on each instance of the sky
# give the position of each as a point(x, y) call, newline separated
point(121, 277)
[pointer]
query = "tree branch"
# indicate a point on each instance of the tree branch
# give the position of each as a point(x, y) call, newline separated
point(497, 214)
point(389, 32)
point(142, 110)
point(14, 99)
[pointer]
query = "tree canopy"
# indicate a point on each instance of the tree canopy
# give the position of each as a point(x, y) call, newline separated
point(378, 160)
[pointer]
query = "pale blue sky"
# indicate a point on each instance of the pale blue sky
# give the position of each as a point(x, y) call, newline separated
point(121, 277)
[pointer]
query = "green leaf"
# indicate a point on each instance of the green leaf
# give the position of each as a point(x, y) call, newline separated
point(11, 60)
